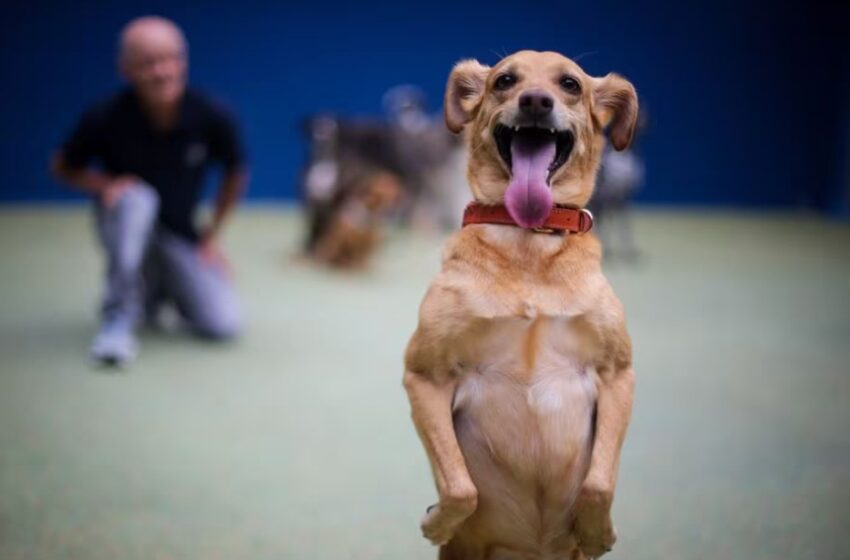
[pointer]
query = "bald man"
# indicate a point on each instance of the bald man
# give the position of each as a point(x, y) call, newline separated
point(143, 154)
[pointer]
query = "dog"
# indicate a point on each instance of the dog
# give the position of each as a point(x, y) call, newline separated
point(344, 158)
point(519, 373)
point(363, 173)
point(621, 176)
point(354, 230)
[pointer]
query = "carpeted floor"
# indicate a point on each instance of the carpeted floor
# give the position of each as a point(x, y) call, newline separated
point(295, 441)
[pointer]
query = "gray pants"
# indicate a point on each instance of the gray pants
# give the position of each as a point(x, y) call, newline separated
point(147, 265)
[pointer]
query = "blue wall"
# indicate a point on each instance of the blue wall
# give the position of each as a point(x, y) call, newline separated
point(745, 98)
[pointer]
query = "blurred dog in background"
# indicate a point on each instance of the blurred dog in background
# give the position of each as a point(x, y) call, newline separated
point(621, 175)
point(363, 173)
point(353, 229)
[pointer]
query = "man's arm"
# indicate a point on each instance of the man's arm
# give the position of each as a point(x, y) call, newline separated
point(225, 148)
point(232, 186)
point(72, 162)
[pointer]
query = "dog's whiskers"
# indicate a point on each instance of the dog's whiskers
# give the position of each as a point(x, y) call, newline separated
point(501, 56)
point(584, 54)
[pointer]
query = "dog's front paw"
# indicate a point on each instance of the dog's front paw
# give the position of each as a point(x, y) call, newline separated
point(594, 543)
point(593, 527)
point(441, 521)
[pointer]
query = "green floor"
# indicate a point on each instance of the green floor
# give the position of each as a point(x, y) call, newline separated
point(295, 442)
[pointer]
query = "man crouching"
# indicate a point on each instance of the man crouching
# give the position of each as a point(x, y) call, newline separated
point(143, 154)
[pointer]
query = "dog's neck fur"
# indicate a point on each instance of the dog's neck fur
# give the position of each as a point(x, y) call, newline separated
point(538, 254)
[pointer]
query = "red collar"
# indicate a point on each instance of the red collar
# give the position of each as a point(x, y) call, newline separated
point(573, 220)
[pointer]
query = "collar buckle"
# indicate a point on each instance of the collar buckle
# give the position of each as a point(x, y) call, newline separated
point(585, 221)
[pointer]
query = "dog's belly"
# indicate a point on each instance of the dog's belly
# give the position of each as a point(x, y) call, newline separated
point(523, 414)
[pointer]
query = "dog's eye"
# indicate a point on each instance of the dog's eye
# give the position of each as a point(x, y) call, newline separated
point(504, 82)
point(570, 84)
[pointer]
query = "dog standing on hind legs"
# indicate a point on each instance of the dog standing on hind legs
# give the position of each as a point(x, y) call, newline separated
point(519, 374)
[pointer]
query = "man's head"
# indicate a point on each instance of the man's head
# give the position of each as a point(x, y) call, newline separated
point(152, 57)
point(535, 129)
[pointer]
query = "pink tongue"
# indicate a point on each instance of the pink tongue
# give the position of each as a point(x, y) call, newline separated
point(528, 198)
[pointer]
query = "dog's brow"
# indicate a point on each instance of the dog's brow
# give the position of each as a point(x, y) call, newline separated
point(510, 68)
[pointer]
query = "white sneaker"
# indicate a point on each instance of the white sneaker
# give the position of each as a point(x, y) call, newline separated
point(114, 344)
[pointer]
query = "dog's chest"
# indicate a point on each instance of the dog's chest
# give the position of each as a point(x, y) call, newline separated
point(528, 391)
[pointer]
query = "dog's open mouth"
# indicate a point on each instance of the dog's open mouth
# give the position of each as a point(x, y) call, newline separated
point(534, 137)
point(533, 155)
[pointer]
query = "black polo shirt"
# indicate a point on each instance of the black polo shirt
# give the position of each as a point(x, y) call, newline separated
point(117, 135)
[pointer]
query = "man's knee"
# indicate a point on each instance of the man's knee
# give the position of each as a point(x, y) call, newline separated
point(126, 232)
point(219, 322)
point(139, 199)
point(125, 228)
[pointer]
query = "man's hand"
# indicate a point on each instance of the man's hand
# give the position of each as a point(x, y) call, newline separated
point(107, 188)
point(231, 187)
point(113, 190)
point(211, 254)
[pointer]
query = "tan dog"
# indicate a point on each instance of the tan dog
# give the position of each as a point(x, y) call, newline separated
point(355, 228)
point(519, 374)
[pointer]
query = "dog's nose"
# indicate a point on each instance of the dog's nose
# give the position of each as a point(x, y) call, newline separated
point(536, 103)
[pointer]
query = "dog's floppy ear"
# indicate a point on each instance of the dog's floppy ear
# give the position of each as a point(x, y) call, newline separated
point(615, 105)
point(464, 92)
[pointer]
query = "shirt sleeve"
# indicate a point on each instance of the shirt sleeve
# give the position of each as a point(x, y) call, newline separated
point(85, 142)
point(226, 142)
